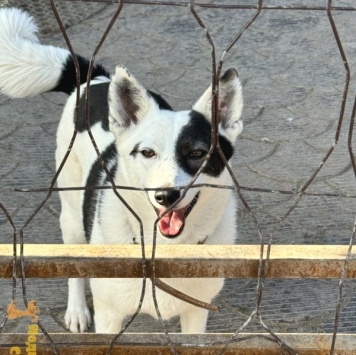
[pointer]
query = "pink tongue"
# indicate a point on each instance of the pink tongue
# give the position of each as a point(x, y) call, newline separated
point(171, 223)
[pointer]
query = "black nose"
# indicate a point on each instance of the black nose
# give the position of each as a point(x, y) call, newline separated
point(167, 198)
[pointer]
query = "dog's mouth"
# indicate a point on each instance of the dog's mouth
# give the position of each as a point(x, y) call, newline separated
point(172, 223)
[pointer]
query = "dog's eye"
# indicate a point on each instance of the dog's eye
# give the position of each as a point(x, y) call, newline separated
point(197, 154)
point(148, 153)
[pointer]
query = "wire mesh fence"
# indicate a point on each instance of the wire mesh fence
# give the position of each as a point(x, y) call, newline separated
point(293, 174)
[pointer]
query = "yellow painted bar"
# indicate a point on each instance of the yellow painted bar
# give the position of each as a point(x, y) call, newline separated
point(230, 261)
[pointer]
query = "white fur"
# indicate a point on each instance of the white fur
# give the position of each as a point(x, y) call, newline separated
point(27, 68)
point(212, 216)
point(211, 220)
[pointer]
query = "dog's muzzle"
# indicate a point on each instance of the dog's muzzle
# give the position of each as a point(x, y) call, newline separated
point(171, 224)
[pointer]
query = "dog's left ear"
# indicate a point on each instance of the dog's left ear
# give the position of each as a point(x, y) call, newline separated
point(229, 107)
point(128, 100)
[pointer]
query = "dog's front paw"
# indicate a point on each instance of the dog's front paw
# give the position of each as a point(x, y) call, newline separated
point(77, 320)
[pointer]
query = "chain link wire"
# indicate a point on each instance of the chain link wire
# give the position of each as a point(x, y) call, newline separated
point(266, 241)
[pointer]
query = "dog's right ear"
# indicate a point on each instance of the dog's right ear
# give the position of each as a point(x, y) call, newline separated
point(128, 100)
point(229, 106)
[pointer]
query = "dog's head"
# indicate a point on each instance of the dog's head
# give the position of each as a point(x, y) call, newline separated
point(161, 148)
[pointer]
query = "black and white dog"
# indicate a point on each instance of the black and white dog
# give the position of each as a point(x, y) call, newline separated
point(145, 144)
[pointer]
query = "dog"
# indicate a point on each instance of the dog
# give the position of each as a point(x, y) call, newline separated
point(144, 143)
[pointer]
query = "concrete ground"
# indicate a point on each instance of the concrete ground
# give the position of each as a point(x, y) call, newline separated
point(293, 78)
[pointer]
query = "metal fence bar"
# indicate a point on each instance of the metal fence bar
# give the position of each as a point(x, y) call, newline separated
point(233, 261)
point(197, 261)
point(223, 6)
point(151, 344)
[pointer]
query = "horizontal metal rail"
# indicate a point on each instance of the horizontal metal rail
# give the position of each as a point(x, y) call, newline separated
point(152, 344)
point(285, 261)
point(225, 6)
point(233, 261)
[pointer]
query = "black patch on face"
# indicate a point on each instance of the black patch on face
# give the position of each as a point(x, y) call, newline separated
point(97, 177)
point(196, 137)
point(67, 83)
point(98, 107)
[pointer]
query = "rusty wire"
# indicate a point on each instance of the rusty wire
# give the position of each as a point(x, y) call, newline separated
point(266, 242)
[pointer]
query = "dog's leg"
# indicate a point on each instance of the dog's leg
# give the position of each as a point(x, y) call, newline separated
point(77, 317)
point(107, 319)
point(194, 320)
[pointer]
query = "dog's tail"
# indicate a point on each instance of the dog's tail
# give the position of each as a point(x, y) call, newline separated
point(28, 68)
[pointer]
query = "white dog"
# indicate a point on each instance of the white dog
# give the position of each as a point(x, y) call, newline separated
point(145, 144)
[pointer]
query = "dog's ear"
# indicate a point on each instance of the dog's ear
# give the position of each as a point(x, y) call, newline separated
point(229, 107)
point(128, 100)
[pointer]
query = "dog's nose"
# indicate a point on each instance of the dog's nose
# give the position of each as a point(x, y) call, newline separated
point(167, 198)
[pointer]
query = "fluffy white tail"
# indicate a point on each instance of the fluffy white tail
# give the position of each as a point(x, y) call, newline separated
point(27, 67)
